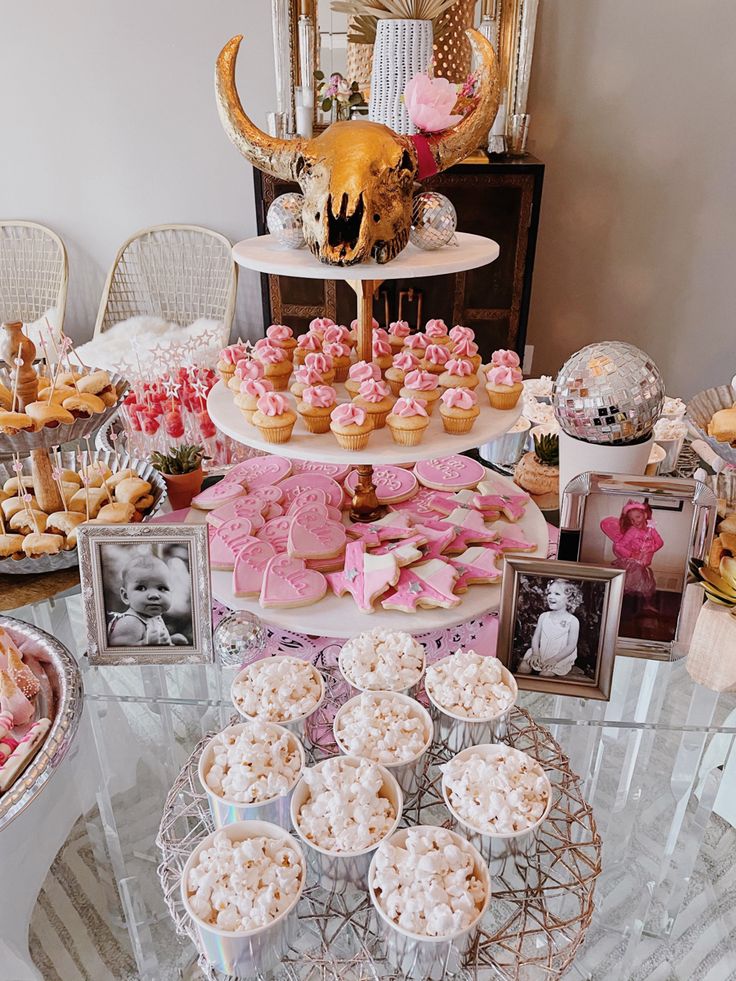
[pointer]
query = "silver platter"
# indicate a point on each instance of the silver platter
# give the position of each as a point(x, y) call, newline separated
point(65, 713)
point(541, 906)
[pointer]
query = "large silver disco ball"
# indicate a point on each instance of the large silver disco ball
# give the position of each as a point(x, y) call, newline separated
point(609, 392)
point(433, 221)
point(284, 220)
point(239, 638)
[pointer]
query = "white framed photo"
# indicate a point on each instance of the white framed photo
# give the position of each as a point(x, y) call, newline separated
point(146, 593)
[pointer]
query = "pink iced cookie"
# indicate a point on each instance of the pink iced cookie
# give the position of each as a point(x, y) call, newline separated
point(300, 484)
point(475, 565)
point(333, 564)
point(315, 496)
point(469, 528)
point(393, 484)
point(449, 473)
point(391, 526)
point(446, 503)
point(503, 544)
point(220, 493)
point(13, 701)
point(249, 566)
point(365, 576)
point(426, 585)
point(405, 551)
point(289, 583)
point(423, 504)
point(244, 507)
point(338, 471)
point(312, 535)
point(437, 537)
point(227, 540)
point(511, 506)
point(269, 493)
point(275, 532)
point(260, 471)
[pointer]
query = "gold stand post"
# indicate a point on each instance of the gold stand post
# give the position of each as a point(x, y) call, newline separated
point(365, 506)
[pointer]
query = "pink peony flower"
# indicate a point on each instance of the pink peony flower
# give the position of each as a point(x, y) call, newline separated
point(429, 102)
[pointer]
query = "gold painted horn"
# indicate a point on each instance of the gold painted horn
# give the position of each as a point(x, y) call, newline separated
point(455, 144)
point(274, 156)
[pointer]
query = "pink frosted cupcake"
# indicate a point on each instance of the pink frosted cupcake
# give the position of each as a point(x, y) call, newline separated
point(358, 373)
point(337, 334)
point(503, 385)
point(403, 361)
point(273, 418)
point(340, 354)
point(251, 389)
point(459, 410)
point(375, 398)
point(382, 353)
point(305, 377)
point(459, 373)
point(308, 343)
point(408, 421)
point(282, 336)
point(422, 385)
point(436, 332)
point(228, 358)
point(245, 368)
point(435, 358)
point(398, 331)
point(276, 365)
point(465, 348)
point(506, 359)
point(319, 325)
point(316, 407)
point(354, 328)
point(458, 331)
point(322, 363)
point(416, 343)
point(350, 426)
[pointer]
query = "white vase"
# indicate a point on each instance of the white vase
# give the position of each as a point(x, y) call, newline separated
point(403, 49)
point(711, 660)
point(577, 457)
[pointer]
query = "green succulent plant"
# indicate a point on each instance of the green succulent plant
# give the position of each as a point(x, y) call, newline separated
point(720, 587)
point(547, 449)
point(179, 460)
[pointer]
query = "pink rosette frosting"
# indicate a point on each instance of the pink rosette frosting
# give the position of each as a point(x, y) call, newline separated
point(374, 391)
point(320, 396)
point(309, 342)
point(458, 331)
point(272, 404)
point(256, 386)
point(508, 359)
point(459, 367)
point(336, 349)
point(416, 342)
point(348, 414)
point(380, 332)
point(279, 332)
point(308, 376)
point(320, 324)
point(336, 335)
point(269, 354)
point(435, 328)
point(501, 374)
point(465, 348)
point(380, 347)
point(354, 324)
point(319, 361)
point(405, 361)
point(409, 407)
point(399, 328)
point(459, 398)
point(363, 371)
point(248, 368)
point(421, 381)
point(233, 353)
point(436, 354)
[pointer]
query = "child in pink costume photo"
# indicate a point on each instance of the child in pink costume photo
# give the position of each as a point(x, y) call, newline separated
point(635, 540)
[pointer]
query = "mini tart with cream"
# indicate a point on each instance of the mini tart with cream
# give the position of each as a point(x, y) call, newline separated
point(398, 331)
point(250, 391)
point(503, 386)
point(459, 410)
point(360, 372)
point(282, 336)
point(14, 422)
point(338, 334)
point(340, 354)
point(245, 368)
point(350, 426)
point(408, 421)
point(316, 406)
point(305, 377)
point(459, 373)
point(273, 418)
point(375, 398)
point(459, 331)
point(422, 385)
point(276, 365)
point(402, 363)
point(37, 544)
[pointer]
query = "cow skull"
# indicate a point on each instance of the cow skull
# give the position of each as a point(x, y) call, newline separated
point(357, 177)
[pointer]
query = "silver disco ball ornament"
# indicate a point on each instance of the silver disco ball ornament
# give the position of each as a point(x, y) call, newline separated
point(609, 392)
point(284, 221)
point(239, 638)
point(433, 221)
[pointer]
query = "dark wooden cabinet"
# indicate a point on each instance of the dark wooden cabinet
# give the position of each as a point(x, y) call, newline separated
point(499, 198)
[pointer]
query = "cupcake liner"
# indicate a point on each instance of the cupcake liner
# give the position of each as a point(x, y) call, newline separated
point(280, 382)
point(317, 424)
point(407, 437)
point(341, 374)
point(456, 426)
point(502, 400)
point(248, 413)
point(395, 386)
point(352, 441)
point(377, 419)
point(277, 434)
point(225, 374)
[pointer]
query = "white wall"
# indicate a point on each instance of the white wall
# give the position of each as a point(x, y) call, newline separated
point(632, 111)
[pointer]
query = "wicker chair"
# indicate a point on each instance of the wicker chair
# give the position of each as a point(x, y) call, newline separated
point(33, 272)
point(177, 272)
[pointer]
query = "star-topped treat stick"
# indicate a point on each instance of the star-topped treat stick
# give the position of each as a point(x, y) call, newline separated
point(27, 498)
point(56, 475)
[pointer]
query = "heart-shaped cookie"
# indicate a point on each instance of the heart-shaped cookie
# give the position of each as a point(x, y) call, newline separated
point(249, 566)
point(244, 507)
point(275, 532)
point(288, 583)
point(316, 497)
point(227, 540)
point(220, 493)
point(312, 535)
point(295, 487)
point(260, 471)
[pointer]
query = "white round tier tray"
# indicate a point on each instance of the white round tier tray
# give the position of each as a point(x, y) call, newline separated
point(338, 616)
point(261, 254)
point(381, 449)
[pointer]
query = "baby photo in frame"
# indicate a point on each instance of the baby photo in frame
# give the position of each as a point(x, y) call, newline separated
point(558, 625)
point(146, 593)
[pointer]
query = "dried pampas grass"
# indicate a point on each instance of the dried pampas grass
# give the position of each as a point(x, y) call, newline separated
point(367, 12)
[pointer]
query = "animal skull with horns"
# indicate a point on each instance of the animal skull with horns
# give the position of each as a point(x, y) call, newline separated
point(357, 177)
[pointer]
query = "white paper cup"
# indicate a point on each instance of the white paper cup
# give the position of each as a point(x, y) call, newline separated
point(297, 725)
point(460, 731)
point(497, 849)
point(225, 811)
point(428, 958)
point(411, 690)
point(336, 869)
point(246, 953)
point(407, 772)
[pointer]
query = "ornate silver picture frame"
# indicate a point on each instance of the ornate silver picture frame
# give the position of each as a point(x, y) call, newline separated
point(558, 625)
point(650, 527)
point(146, 593)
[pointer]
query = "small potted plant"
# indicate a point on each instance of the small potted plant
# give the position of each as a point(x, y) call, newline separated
point(182, 470)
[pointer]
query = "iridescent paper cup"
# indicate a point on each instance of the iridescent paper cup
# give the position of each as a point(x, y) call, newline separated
point(415, 955)
point(297, 724)
point(497, 848)
point(226, 811)
point(246, 953)
point(408, 772)
point(337, 869)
